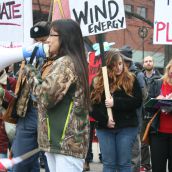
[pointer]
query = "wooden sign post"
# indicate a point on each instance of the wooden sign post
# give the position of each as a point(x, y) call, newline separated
point(105, 74)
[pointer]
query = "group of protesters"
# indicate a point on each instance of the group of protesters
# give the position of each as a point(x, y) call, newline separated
point(56, 100)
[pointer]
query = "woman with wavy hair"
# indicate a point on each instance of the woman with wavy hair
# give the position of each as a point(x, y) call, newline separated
point(116, 136)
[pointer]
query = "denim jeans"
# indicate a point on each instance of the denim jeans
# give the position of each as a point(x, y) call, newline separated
point(25, 141)
point(116, 146)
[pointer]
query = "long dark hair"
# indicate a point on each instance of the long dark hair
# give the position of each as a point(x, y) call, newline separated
point(72, 44)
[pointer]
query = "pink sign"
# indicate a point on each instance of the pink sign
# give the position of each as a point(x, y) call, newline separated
point(61, 9)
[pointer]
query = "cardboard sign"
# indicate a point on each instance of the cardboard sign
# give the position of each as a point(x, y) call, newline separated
point(94, 65)
point(15, 22)
point(94, 16)
point(60, 9)
point(163, 22)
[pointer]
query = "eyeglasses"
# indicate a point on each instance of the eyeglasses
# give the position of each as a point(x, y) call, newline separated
point(54, 35)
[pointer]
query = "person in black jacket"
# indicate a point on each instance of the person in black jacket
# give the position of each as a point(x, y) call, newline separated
point(150, 75)
point(116, 137)
point(136, 150)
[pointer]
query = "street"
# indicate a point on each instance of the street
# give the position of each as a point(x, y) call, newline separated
point(96, 167)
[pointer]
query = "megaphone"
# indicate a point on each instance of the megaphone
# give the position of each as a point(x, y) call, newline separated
point(9, 56)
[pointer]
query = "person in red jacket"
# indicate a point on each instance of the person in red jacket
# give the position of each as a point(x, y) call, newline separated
point(7, 86)
point(161, 137)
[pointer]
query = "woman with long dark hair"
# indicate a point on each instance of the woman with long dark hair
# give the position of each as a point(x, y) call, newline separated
point(62, 94)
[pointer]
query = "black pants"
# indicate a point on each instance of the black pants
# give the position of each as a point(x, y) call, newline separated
point(145, 153)
point(161, 151)
point(89, 156)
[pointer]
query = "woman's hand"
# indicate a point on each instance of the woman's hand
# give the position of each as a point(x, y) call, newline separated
point(169, 96)
point(160, 97)
point(109, 102)
point(111, 123)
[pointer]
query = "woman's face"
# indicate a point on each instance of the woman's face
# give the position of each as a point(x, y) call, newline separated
point(54, 44)
point(119, 67)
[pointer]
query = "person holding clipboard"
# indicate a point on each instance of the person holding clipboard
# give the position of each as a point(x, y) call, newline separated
point(161, 141)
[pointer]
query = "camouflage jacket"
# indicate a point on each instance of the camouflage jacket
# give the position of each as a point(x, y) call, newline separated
point(63, 125)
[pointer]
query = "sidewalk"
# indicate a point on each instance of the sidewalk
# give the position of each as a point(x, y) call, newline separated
point(96, 166)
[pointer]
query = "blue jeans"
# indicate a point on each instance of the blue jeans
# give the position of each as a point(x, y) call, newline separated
point(116, 147)
point(25, 141)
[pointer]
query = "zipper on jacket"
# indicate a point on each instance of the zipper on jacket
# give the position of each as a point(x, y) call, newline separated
point(48, 126)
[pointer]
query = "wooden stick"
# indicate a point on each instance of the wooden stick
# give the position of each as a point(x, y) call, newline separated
point(107, 92)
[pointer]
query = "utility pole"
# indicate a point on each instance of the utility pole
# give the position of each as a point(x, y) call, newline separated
point(143, 32)
point(168, 54)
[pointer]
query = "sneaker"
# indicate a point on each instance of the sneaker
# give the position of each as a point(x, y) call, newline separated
point(86, 166)
point(145, 168)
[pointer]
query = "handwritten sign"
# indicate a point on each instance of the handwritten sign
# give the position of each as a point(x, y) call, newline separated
point(15, 22)
point(94, 16)
point(163, 22)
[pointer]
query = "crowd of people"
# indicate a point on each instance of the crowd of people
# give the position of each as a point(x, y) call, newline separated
point(56, 101)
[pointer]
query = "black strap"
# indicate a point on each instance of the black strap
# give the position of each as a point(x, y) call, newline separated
point(33, 55)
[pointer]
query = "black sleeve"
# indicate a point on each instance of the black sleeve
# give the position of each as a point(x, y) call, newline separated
point(99, 113)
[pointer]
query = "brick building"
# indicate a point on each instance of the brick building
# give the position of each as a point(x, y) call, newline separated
point(130, 36)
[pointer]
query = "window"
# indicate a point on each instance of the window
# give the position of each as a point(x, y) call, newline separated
point(128, 8)
point(142, 11)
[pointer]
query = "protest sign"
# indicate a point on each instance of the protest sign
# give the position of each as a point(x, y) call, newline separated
point(94, 17)
point(61, 9)
point(163, 22)
point(15, 23)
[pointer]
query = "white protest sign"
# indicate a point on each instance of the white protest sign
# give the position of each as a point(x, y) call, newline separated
point(98, 16)
point(15, 22)
point(163, 22)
